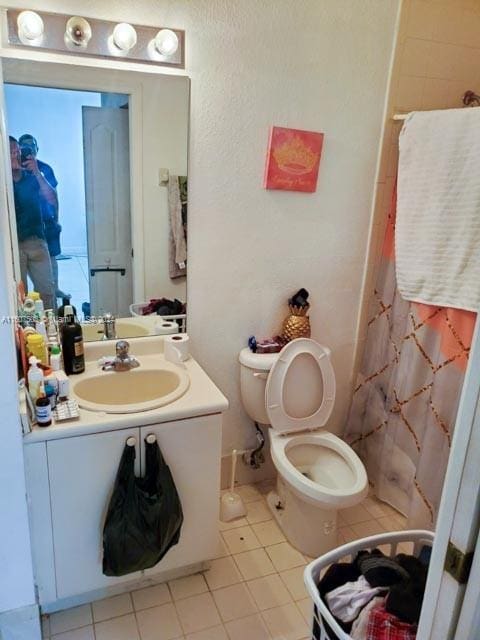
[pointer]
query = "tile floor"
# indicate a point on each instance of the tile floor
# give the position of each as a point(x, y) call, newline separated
point(73, 279)
point(253, 590)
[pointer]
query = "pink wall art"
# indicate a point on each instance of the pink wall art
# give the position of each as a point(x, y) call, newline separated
point(293, 159)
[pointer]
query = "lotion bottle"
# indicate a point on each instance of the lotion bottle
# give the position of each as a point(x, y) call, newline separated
point(55, 358)
point(35, 379)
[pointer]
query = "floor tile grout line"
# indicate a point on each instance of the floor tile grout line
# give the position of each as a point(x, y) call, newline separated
point(136, 623)
point(240, 578)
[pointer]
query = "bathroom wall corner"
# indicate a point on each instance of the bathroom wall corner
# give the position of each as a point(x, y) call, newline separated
point(21, 624)
point(247, 475)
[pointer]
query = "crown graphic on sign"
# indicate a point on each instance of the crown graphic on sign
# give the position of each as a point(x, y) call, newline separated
point(294, 156)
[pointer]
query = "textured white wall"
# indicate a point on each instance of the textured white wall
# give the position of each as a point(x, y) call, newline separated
point(319, 65)
point(311, 64)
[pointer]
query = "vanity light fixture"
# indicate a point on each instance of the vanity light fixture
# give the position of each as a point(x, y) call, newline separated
point(30, 27)
point(124, 36)
point(78, 32)
point(100, 38)
point(166, 42)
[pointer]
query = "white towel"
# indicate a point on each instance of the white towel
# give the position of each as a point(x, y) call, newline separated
point(346, 602)
point(437, 234)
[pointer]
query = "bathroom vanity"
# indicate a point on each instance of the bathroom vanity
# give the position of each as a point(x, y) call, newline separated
point(71, 468)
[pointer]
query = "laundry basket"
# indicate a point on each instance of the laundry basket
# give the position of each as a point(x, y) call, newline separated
point(137, 307)
point(388, 542)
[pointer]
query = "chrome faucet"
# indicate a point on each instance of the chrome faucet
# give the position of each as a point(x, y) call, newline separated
point(109, 330)
point(123, 361)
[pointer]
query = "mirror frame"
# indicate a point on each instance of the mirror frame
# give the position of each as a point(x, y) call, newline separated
point(71, 72)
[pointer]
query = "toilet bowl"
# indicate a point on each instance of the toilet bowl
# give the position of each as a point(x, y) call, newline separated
point(318, 473)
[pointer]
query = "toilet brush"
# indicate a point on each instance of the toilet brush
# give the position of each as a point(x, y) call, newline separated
point(231, 504)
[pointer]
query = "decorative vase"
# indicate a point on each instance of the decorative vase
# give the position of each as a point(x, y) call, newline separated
point(297, 324)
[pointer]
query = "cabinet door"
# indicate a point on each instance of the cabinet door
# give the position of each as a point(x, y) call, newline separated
point(82, 472)
point(192, 450)
point(38, 493)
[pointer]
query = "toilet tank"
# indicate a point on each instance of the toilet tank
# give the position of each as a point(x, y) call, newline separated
point(254, 370)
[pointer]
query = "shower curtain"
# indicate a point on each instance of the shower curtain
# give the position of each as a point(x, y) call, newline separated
point(407, 392)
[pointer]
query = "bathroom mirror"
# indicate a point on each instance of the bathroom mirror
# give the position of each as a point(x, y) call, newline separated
point(98, 195)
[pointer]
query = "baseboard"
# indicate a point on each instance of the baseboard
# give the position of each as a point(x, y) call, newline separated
point(124, 587)
point(21, 624)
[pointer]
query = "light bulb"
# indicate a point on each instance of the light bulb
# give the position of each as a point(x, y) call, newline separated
point(78, 31)
point(30, 25)
point(166, 42)
point(124, 36)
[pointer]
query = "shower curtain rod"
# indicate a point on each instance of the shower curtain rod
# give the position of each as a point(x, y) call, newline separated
point(469, 99)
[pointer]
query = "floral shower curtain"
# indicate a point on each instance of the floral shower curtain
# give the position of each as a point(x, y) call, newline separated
point(407, 393)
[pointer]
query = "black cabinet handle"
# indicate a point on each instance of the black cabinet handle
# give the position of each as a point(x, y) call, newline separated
point(120, 270)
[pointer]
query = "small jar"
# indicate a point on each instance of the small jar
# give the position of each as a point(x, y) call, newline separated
point(43, 410)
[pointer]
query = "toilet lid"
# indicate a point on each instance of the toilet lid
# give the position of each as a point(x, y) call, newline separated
point(300, 389)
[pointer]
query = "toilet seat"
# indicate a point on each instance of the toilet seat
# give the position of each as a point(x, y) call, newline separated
point(320, 467)
point(279, 419)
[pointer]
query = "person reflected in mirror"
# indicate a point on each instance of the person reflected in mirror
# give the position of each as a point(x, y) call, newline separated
point(29, 146)
point(30, 190)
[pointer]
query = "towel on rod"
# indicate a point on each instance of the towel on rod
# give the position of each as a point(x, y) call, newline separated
point(437, 233)
point(177, 245)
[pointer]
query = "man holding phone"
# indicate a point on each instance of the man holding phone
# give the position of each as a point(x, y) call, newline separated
point(29, 147)
point(31, 190)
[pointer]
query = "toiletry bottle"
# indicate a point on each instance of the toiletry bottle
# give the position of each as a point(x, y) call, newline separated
point(61, 310)
point(43, 410)
point(41, 329)
point(39, 309)
point(50, 394)
point(72, 344)
point(35, 379)
point(55, 358)
point(52, 331)
point(38, 303)
point(36, 347)
point(28, 307)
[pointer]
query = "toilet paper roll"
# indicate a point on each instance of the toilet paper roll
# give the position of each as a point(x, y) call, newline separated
point(165, 327)
point(176, 347)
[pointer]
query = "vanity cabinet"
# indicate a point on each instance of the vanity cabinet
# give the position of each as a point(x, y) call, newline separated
point(82, 472)
point(69, 484)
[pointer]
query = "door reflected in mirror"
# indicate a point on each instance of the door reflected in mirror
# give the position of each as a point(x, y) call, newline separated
point(76, 143)
point(82, 202)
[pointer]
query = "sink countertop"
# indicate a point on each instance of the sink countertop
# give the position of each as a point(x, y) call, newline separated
point(201, 398)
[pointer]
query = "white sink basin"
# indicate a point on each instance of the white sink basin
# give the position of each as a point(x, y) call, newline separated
point(124, 329)
point(130, 391)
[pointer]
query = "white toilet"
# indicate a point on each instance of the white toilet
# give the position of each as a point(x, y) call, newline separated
point(318, 473)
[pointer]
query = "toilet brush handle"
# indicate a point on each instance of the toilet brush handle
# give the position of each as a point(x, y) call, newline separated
point(234, 466)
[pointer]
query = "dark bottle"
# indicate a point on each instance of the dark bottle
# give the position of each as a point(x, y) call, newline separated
point(43, 411)
point(61, 310)
point(72, 343)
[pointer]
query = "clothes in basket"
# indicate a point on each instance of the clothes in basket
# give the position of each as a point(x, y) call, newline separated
point(349, 589)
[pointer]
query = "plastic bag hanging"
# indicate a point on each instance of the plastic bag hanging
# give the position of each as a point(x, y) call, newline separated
point(144, 516)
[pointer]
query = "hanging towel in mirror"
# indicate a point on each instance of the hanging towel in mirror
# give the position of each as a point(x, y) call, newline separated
point(177, 237)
